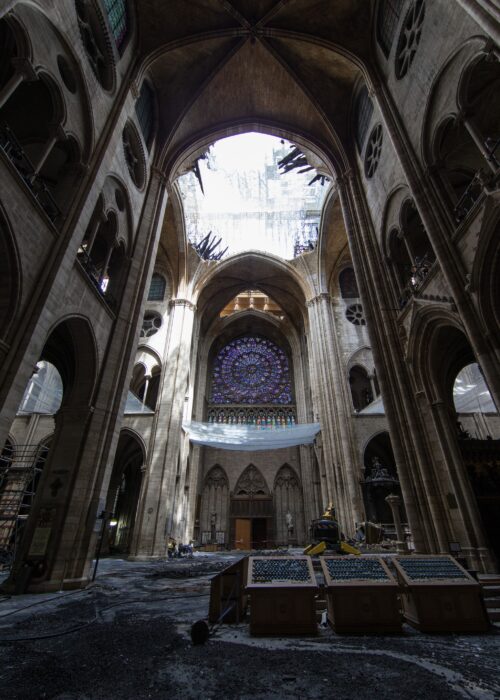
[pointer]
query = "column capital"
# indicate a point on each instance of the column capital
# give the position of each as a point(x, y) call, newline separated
point(345, 177)
point(158, 173)
point(323, 296)
point(134, 89)
point(182, 302)
point(374, 89)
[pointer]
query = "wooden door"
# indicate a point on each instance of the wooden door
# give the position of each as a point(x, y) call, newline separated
point(243, 533)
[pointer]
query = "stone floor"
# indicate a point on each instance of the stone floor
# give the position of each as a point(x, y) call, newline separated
point(128, 636)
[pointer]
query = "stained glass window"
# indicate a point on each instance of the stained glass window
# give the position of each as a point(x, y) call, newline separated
point(251, 370)
point(387, 23)
point(157, 288)
point(363, 115)
point(144, 108)
point(117, 17)
point(348, 285)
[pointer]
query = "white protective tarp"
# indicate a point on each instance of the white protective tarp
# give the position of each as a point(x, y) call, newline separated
point(248, 438)
point(135, 405)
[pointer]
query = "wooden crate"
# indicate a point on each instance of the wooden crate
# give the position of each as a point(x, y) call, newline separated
point(362, 595)
point(282, 602)
point(439, 595)
point(228, 588)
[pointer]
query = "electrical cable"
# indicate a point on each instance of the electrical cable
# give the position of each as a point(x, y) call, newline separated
point(51, 635)
point(201, 630)
point(41, 602)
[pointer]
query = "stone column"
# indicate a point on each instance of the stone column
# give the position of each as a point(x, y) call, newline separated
point(437, 226)
point(394, 502)
point(397, 390)
point(306, 467)
point(461, 505)
point(23, 71)
point(147, 379)
point(156, 521)
point(331, 401)
point(75, 480)
point(486, 13)
point(52, 528)
point(56, 133)
point(477, 137)
point(93, 233)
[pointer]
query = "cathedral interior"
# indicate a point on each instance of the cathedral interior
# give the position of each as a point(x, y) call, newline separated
point(263, 218)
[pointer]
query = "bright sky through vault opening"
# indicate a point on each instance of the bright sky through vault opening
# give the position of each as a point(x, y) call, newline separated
point(248, 202)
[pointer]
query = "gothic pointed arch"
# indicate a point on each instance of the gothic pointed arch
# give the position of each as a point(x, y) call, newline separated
point(124, 490)
point(214, 511)
point(288, 506)
point(251, 483)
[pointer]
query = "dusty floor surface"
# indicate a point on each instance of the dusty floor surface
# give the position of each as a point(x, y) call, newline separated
point(128, 637)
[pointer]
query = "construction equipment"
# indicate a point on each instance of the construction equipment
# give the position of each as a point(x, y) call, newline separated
point(327, 535)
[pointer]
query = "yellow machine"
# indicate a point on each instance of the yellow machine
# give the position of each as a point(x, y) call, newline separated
point(327, 535)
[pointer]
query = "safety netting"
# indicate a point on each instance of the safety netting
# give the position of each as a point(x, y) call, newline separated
point(248, 438)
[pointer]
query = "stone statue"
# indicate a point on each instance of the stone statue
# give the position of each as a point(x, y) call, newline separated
point(289, 521)
point(329, 513)
point(378, 470)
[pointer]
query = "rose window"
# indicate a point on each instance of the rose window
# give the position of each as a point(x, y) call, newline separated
point(409, 38)
point(373, 151)
point(251, 370)
point(354, 314)
point(151, 324)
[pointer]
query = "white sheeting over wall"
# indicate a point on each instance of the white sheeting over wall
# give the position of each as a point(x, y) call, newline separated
point(248, 438)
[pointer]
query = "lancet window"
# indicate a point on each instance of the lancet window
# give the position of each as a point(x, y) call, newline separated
point(389, 12)
point(118, 20)
point(363, 115)
point(157, 288)
point(144, 109)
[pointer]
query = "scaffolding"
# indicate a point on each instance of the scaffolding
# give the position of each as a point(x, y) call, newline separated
point(20, 470)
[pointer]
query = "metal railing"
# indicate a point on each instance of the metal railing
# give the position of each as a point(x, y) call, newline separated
point(264, 415)
point(418, 274)
point(469, 197)
point(492, 145)
point(95, 277)
point(35, 182)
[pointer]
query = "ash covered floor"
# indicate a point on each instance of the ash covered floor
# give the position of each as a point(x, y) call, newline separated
point(128, 636)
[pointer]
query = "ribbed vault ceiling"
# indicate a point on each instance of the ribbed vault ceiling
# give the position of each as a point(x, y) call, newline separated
point(291, 64)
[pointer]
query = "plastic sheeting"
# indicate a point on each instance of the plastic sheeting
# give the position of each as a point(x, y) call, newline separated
point(44, 392)
point(248, 438)
point(135, 405)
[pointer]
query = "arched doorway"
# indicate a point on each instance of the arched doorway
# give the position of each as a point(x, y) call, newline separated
point(379, 480)
point(251, 511)
point(124, 491)
point(465, 455)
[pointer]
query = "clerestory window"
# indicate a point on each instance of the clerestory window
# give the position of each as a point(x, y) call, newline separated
point(118, 20)
point(144, 109)
point(389, 12)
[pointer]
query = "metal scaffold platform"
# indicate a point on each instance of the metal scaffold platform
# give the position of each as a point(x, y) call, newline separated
point(20, 470)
